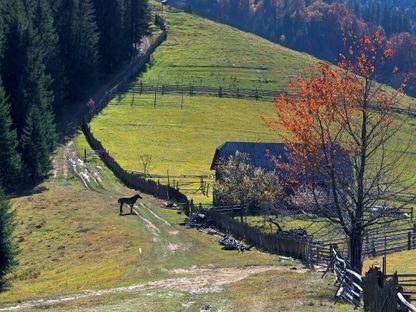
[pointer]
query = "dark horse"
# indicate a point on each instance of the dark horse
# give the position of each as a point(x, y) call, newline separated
point(128, 201)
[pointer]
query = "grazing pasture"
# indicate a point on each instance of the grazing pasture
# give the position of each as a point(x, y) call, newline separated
point(202, 52)
point(183, 141)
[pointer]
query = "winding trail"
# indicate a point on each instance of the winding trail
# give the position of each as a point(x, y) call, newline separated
point(199, 281)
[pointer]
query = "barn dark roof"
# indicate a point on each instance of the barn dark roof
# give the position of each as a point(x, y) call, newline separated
point(262, 155)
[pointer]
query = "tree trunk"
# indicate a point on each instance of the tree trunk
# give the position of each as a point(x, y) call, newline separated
point(355, 250)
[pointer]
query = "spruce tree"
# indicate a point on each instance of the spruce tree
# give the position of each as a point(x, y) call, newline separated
point(10, 162)
point(8, 249)
point(136, 18)
point(78, 43)
point(38, 138)
point(14, 59)
point(43, 23)
point(35, 145)
point(111, 44)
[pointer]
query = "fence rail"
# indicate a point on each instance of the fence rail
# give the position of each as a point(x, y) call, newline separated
point(379, 245)
point(193, 90)
point(349, 282)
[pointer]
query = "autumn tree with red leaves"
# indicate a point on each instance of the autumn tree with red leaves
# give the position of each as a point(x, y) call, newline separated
point(341, 125)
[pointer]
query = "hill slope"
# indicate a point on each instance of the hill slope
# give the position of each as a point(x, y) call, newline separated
point(200, 51)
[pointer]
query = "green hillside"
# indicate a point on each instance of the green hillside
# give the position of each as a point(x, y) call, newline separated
point(203, 52)
point(183, 141)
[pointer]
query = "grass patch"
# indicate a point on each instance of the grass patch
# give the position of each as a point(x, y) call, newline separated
point(401, 262)
point(72, 239)
point(203, 52)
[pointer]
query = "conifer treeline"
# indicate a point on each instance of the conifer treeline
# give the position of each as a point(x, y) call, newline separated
point(51, 53)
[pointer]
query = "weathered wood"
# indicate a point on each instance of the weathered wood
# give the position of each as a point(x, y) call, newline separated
point(379, 295)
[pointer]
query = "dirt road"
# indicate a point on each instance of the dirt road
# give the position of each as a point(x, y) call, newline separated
point(200, 281)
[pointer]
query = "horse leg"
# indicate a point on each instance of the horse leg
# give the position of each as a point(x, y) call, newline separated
point(131, 208)
point(121, 208)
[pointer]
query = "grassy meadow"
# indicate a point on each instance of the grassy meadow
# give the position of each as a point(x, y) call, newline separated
point(201, 52)
point(72, 240)
point(183, 141)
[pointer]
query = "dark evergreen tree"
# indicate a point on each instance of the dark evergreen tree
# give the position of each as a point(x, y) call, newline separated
point(10, 162)
point(35, 145)
point(135, 23)
point(14, 59)
point(38, 138)
point(43, 23)
point(111, 44)
point(78, 43)
point(8, 249)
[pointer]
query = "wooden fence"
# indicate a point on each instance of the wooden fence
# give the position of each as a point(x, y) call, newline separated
point(193, 90)
point(390, 242)
point(136, 65)
point(349, 282)
point(131, 179)
point(385, 293)
point(377, 292)
point(282, 244)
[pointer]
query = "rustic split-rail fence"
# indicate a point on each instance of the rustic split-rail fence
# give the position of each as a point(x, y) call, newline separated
point(377, 291)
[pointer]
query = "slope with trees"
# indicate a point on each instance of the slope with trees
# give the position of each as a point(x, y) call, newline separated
point(51, 54)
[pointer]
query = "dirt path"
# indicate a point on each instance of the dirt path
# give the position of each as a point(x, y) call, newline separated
point(198, 281)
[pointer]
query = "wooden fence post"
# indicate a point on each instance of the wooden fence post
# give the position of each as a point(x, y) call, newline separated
point(182, 101)
point(414, 235)
point(163, 89)
point(409, 241)
point(331, 254)
point(411, 214)
point(132, 99)
point(220, 92)
point(310, 254)
point(154, 102)
point(141, 87)
point(191, 208)
point(257, 94)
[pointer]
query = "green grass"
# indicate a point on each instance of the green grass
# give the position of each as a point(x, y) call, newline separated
point(72, 240)
point(181, 141)
point(401, 262)
point(203, 52)
point(282, 291)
